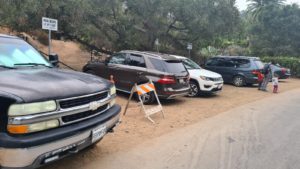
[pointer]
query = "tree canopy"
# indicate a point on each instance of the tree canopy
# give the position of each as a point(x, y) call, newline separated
point(269, 27)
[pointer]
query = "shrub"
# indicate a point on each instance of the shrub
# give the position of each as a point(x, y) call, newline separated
point(288, 62)
point(41, 36)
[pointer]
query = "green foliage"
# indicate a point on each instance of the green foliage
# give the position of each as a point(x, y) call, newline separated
point(130, 24)
point(276, 31)
point(292, 63)
point(268, 27)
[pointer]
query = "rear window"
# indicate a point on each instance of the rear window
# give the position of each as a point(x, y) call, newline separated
point(175, 67)
point(259, 64)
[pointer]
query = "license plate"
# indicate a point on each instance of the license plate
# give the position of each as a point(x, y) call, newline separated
point(98, 133)
point(181, 80)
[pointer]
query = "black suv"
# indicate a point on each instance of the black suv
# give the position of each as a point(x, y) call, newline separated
point(238, 70)
point(48, 113)
point(169, 75)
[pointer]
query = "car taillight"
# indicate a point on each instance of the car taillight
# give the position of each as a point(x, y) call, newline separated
point(167, 80)
point(255, 72)
point(283, 70)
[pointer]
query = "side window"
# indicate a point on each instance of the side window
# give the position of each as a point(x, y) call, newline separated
point(212, 62)
point(118, 58)
point(136, 60)
point(225, 63)
point(242, 63)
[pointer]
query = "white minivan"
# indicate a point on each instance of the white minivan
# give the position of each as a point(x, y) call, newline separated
point(201, 81)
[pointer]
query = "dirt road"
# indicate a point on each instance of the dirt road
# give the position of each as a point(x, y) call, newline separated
point(259, 135)
point(135, 130)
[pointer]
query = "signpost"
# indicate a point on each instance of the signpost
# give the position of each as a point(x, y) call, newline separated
point(51, 25)
point(157, 45)
point(189, 48)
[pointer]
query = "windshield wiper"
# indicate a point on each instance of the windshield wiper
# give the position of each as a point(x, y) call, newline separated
point(6, 67)
point(32, 64)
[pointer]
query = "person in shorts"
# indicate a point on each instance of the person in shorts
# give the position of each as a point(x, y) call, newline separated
point(275, 83)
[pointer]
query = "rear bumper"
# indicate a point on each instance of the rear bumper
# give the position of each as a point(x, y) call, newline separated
point(251, 80)
point(25, 157)
point(174, 93)
point(285, 76)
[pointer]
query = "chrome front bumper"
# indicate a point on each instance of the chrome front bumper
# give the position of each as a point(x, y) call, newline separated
point(34, 157)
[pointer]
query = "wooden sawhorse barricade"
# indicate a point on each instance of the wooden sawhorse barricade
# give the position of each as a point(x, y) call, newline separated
point(141, 90)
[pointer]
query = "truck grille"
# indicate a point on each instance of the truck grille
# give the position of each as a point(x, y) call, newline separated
point(64, 104)
point(82, 115)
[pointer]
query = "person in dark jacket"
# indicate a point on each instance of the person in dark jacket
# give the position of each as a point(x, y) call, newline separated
point(267, 71)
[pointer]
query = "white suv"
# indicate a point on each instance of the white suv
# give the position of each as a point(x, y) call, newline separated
point(201, 80)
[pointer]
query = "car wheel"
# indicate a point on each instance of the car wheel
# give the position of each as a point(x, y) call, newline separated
point(239, 81)
point(148, 98)
point(194, 89)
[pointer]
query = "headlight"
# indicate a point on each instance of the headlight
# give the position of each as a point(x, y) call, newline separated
point(205, 78)
point(112, 102)
point(31, 108)
point(31, 128)
point(113, 90)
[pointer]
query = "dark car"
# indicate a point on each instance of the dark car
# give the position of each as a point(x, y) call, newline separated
point(48, 113)
point(281, 72)
point(169, 75)
point(237, 70)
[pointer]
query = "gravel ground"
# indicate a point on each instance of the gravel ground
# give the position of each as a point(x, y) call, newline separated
point(180, 113)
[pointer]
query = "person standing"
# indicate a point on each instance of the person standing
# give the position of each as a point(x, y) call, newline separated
point(275, 83)
point(260, 79)
point(267, 71)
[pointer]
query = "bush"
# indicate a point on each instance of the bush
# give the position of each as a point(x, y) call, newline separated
point(41, 36)
point(288, 62)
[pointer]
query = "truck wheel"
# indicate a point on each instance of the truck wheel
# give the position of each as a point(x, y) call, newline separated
point(239, 81)
point(194, 89)
point(148, 98)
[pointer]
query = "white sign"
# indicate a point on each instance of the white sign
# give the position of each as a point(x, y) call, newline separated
point(190, 46)
point(156, 42)
point(49, 24)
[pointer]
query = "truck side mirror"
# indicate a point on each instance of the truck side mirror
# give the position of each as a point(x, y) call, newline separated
point(54, 59)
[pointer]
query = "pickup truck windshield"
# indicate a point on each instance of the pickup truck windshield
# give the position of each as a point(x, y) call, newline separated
point(16, 52)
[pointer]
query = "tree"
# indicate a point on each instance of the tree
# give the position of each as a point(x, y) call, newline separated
point(256, 7)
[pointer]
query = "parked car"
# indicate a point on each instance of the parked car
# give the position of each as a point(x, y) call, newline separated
point(283, 73)
point(48, 113)
point(238, 70)
point(169, 75)
point(201, 81)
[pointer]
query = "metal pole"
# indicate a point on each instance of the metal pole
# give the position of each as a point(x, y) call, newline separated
point(189, 53)
point(49, 42)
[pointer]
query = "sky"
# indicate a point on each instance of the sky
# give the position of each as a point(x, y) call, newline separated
point(242, 4)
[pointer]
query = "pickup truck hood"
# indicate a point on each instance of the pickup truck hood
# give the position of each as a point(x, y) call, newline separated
point(203, 72)
point(33, 85)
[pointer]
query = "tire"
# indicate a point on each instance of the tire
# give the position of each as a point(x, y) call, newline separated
point(194, 89)
point(148, 98)
point(239, 81)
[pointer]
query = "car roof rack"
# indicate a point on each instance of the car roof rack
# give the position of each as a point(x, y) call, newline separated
point(151, 54)
point(241, 57)
point(8, 36)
